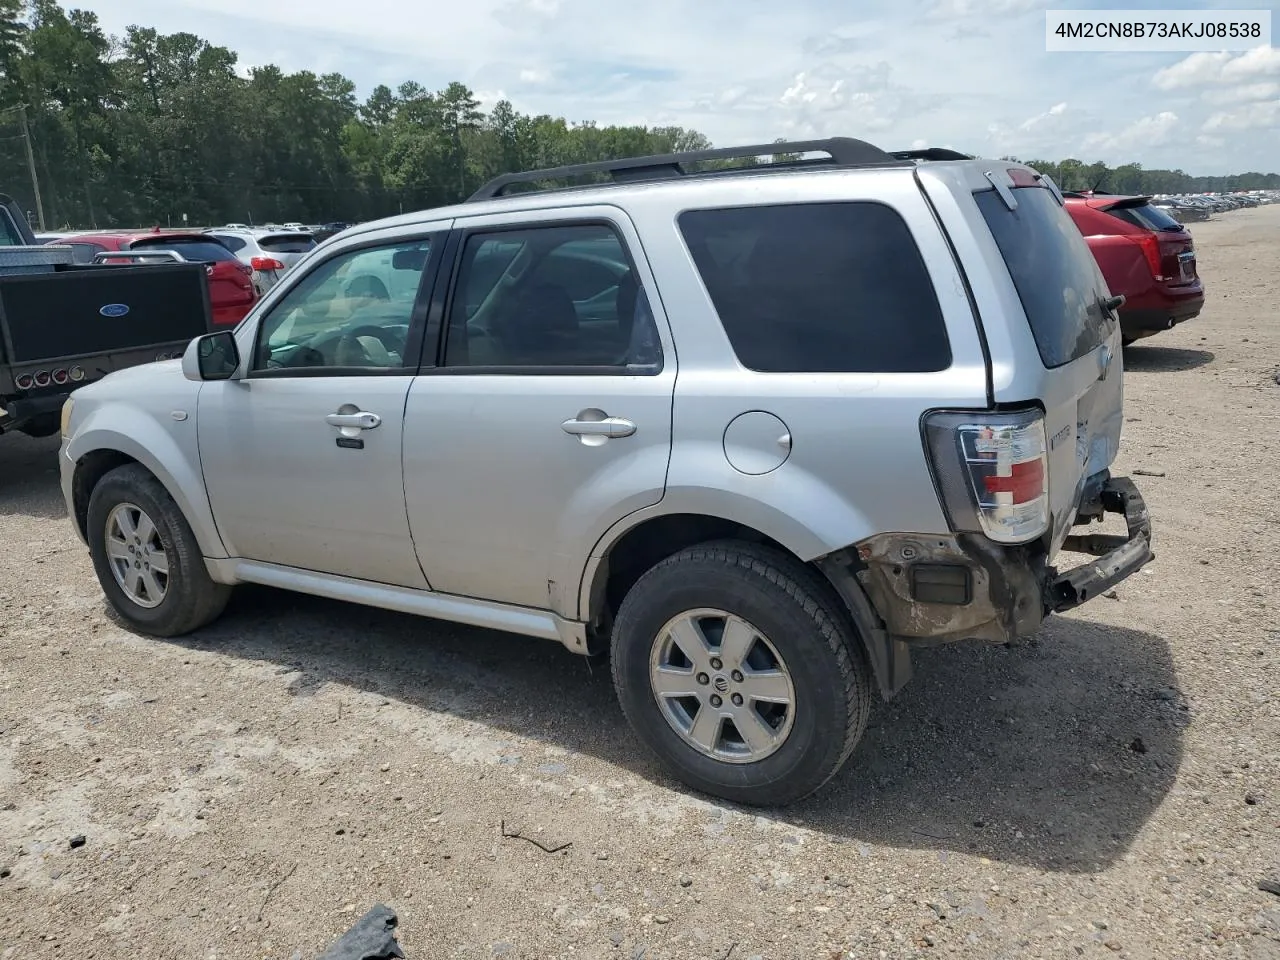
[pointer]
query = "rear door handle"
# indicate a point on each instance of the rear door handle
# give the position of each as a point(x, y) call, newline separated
point(608, 427)
point(360, 420)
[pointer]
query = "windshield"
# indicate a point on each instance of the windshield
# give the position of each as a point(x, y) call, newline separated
point(1057, 279)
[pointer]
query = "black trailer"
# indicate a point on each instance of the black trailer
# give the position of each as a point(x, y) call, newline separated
point(63, 325)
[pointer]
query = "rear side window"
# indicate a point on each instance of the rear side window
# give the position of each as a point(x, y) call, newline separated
point(1147, 216)
point(300, 243)
point(232, 243)
point(1056, 276)
point(819, 288)
point(209, 251)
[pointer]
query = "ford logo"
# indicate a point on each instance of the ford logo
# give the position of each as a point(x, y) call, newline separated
point(114, 310)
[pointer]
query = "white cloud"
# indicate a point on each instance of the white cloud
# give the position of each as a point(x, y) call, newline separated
point(1057, 110)
point(1148, 131)
point(1242, 94)
point(1263, 115)
point(533, 75)
point(1200, 69)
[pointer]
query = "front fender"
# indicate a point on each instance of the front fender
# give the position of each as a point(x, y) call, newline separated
point(168, 450)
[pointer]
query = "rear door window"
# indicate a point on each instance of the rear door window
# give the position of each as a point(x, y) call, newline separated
point(1056, 277)
point(819, 288)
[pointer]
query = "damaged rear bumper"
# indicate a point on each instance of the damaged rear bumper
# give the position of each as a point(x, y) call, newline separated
point(1118, 556)
point(910, 590)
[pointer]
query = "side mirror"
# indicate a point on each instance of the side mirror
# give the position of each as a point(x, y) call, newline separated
point(211, 357)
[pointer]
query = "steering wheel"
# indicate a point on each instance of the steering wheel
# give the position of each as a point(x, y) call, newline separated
point(383, 335)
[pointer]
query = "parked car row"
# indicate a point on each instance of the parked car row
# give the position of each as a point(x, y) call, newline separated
point(1189, 208)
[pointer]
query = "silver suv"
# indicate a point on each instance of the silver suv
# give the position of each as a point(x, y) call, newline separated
point(756, 432)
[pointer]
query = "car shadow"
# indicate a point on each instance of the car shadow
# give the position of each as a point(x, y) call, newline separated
point(1154, 359)
point(1052, 754)
point(29, 477)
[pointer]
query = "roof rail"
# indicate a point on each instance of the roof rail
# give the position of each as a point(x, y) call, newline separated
point(932, 153)
point(842, 151)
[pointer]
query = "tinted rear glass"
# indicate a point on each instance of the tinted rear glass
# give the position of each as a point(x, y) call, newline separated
point(1055, 275)
point(819, 288)
point(299, 243)
point(1148, 217)
point(203, 250)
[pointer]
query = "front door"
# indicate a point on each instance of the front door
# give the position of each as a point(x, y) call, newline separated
point(548, 417)
point(301, 457)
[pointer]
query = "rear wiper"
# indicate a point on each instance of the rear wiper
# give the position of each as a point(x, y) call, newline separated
point(1112, 304)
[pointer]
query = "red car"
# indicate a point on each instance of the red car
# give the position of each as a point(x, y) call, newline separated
point(1146, 255)
point(231, 291)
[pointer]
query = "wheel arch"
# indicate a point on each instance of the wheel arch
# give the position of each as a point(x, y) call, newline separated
point(96, 452)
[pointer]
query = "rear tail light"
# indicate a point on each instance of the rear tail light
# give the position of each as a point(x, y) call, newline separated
point(1150, 245)
point(266, 263)
point(42, 378)
point(59, 377)
point(25, 381)
point(992, 472)
point(76, 374)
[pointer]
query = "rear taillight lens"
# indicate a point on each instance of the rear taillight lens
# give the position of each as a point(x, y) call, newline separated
point(59, 377)
point(76, 374)
point(1150, 245)
point(992, 471)
point(266, 263)
point(25, 381)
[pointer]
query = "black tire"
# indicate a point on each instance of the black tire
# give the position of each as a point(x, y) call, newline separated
point(191, 599)
point(801, 617)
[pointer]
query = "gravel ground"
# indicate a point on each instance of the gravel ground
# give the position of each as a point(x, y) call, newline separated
point(1111, 789)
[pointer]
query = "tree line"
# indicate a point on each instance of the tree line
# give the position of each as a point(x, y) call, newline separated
point(144, 128)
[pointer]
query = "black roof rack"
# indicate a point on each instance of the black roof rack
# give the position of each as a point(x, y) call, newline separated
point(932, 153)
point(842, 152)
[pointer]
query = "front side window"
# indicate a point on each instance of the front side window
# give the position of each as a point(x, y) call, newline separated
point(557, 296)
point(819, 288)
point(354, 310)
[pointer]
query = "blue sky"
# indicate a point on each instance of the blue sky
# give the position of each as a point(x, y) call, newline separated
point(971, 74)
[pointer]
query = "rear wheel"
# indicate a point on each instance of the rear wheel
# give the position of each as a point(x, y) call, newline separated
point(146, 557)
point(735, 664)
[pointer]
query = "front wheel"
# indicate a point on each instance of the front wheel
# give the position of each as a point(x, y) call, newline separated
point(146, 557)
point(734, 663)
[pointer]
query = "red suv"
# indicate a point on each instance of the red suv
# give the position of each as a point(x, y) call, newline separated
point(1144, 254)
point(231, 291)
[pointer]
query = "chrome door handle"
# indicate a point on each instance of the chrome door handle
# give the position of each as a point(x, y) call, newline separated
point(360, 421)
point(608, 427)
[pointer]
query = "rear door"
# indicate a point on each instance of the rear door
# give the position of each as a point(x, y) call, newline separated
point(547, 417)
point(1041, 297)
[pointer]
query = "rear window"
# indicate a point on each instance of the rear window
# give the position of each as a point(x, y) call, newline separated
point(819, 288)
point(1055, 275)
point(202, 250)
point(1148, 216)
point(299, 243)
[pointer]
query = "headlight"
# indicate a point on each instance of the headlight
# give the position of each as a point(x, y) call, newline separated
point(66, 416)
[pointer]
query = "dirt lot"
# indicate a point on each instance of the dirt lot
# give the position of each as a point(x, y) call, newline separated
point(1112, 789)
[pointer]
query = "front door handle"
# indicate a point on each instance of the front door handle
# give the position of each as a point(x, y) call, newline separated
point(608, 427)
point(359, 420)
